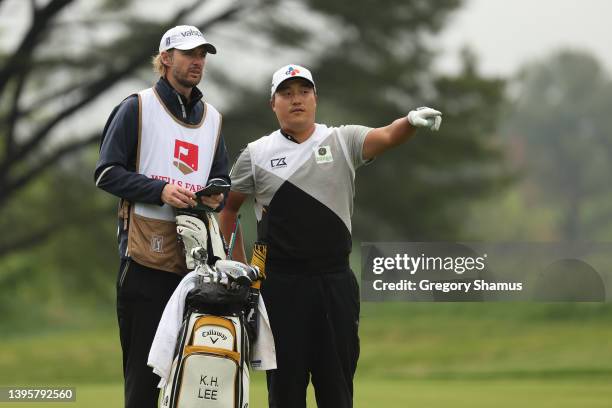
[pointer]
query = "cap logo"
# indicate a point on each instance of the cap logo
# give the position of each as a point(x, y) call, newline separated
point(292, 71)
point(191, 32)
point(168, 41)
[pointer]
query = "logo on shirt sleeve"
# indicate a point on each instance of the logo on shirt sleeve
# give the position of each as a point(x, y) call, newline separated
point(185, 156)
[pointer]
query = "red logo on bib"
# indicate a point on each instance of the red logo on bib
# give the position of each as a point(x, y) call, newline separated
point(185, 156)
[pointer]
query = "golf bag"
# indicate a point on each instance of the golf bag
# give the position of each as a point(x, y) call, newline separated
point(210, 364)
point(209, 368)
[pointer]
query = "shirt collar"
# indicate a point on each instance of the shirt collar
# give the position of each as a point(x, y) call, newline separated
point(168, 94)
point(288, 136)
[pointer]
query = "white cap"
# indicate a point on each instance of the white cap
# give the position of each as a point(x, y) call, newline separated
point(184, 37)
point(288, 72)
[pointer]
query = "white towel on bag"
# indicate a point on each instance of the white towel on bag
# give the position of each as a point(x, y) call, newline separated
point(263, 356)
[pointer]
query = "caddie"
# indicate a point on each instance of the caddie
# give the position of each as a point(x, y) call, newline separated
point(159, 147)
point(301, 177)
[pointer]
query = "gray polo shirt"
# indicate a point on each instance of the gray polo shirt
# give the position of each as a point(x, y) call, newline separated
point(303, 191)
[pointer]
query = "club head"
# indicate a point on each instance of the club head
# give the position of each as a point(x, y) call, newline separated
point(218, 182)
point(200, 254)
point(241, 273)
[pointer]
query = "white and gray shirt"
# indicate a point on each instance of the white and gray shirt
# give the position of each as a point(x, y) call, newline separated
point(303, 191)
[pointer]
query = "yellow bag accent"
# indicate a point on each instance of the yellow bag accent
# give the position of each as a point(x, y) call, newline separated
point(234, 355)
point(213, 320)
point(260, 251)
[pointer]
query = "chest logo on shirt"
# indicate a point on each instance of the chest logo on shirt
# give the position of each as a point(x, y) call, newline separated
point(185, 156)
point(323, 154)
point(279, 162)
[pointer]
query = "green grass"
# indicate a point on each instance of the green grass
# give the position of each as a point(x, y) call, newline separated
point(425, 355)
point(484, 341)
point(408, 393)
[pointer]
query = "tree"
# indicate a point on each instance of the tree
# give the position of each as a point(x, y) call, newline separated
point(63, 64)
point(373, 55)
point(371, 63)
point(72, 54)
point(561, 126)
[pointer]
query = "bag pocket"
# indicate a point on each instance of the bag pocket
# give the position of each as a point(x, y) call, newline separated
point(209, 378)
point(214, 331)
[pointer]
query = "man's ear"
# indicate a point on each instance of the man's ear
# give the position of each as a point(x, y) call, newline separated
point(166, 58)
point(272, 102)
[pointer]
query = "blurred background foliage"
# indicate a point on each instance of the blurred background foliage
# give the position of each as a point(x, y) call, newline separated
point(524, 158)
point(531, 150)
point(372, 64)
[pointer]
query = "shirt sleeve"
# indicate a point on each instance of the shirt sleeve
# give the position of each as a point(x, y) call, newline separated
point(354, 137)
point(116, 168)
point(242, 174)
point(220, 166)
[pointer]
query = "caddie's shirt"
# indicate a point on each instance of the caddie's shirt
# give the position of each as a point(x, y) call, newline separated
point(303, 192)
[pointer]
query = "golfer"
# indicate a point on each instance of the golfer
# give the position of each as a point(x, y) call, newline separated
point(302, 180)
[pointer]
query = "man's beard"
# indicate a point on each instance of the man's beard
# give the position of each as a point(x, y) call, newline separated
point(185, 81)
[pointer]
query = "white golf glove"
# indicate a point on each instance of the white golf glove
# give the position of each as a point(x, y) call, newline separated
point(425, 117)
point(192, 232)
